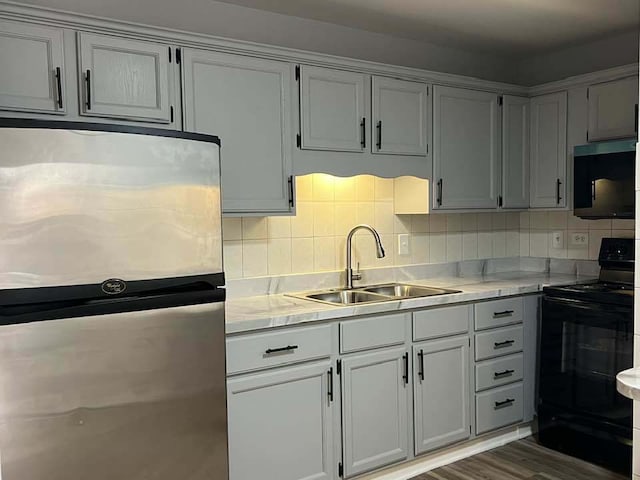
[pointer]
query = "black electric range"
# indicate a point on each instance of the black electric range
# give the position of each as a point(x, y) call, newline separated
point(586, 338)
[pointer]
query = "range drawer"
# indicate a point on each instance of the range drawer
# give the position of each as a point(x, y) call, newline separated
point(501, 371)
point(495, 343)
point(266, 350)
point(373, 332)
point(441, 322)
point(498, 313)
point(499, 407)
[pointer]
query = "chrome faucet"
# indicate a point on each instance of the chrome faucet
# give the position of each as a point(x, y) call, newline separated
point(351, 276)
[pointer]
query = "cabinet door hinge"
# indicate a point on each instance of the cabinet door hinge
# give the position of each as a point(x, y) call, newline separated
point(499, 99)
point(298, 141)
point(291, 192)
point(297, 72)
point(171, 110)
point(169, 54)
point(340, 470)
point(339, 367)
point(178, 55)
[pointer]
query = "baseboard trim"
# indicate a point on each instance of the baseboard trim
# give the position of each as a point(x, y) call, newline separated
point(431, 461)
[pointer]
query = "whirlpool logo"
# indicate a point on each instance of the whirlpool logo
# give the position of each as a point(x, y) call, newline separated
point(114, 286)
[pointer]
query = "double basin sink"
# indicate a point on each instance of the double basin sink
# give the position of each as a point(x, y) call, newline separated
point(372, 294)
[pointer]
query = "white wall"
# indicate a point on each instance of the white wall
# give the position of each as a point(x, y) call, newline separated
point(241, 23)
point(613, 51)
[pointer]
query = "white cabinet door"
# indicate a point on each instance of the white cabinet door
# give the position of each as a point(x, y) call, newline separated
point(549, 150)
point(246, 102)
point(375, 409)
point(515, 152)
point(123, 78)
point(280, 424)
point(441, 393)
point(613, 109)
point(466, 148)
point(333, 110)
point(401, 117)
point(31, 68)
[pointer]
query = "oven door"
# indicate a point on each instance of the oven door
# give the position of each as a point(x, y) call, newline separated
point(583, 346)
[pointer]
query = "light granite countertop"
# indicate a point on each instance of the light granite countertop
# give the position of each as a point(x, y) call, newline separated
point(628, 383)
point(271, 311)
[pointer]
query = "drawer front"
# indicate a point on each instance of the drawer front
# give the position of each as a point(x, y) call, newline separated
point(265, 350)
point(441, 322)
point(498, 313)
point(501, 371)
point(495, 343)
point(499, 407)
point(374, 332)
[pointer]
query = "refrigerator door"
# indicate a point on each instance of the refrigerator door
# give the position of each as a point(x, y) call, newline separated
point(80, 205)
point(132, 396)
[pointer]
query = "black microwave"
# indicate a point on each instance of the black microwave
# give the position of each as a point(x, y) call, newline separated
point(604, 179)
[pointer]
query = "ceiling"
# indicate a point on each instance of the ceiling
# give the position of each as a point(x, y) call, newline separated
point(509, 27)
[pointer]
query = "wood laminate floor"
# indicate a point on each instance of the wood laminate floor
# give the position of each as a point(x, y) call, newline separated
point(521, 460)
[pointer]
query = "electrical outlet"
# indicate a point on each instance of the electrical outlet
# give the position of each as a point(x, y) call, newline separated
point(403, 244)
point(579, 239)
point(557, 240)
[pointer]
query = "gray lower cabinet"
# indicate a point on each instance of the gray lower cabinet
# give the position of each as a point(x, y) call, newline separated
point(280, 424)
point(375, 390)
point(441, 393)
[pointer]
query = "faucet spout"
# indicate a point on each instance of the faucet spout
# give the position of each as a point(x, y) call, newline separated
point(351, 276)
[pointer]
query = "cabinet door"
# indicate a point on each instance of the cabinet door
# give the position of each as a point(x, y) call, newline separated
point(123, 78)
point(246, 102)
point(32, 68)
point(375, 410)
point(400, 117)
point(515, 152)
point(549, 150)
point(280, 424)
point(441, 393)
point(613, 109)
point(332, 110)
point(466, 148)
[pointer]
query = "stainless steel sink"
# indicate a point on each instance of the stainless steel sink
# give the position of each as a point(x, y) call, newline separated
point(346, 297)
point(400, 290)
point(372, 294)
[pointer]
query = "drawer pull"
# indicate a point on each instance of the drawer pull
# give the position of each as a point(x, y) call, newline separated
point(505, 403)
point(506, 343)
point(506, 373)
point(421, 363)
point(506, 313)
point(405, 377)
point(288, 348)
point(330, 384)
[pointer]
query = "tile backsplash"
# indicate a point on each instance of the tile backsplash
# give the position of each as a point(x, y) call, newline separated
point(328, 207)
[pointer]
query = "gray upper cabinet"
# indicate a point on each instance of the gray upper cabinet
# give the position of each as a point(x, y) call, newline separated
point(613, 109)
point(549, 150)
point(121, 78)
point(441, 400)
point(280, 424)
point(375, 410)
point(515, 152)
point(32, 68)
point(333, 110)
point(246, 102)
point(401, 117)
point(466, 148)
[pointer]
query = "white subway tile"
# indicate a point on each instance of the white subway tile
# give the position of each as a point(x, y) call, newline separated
point(485, 244)
point(232, 228)
point(279, 227)
point(254, 258)
point(302, 223)
point(254, 228)
point(454, 246)
point(469, 245)
point(232, 252)
point(437, 248)
point(302, 255)
point(279, 256)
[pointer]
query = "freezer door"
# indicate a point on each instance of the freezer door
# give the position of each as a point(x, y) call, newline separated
point(128, 396)
point(82, 206)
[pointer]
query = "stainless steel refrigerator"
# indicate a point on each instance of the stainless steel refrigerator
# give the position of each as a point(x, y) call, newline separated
point(112, 349)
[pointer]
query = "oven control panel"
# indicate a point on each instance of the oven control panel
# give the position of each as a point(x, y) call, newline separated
point(616, 250)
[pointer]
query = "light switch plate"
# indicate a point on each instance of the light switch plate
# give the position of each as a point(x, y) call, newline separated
point(557, 240)
point(403, 244)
